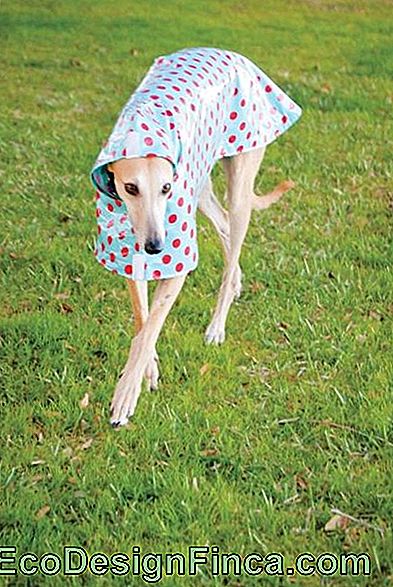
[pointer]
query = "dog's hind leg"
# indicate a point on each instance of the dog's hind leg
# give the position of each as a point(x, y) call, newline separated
point(240, 171)
point(211, 208)
point(140, 307)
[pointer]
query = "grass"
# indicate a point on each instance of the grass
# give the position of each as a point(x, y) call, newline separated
point(248, 446)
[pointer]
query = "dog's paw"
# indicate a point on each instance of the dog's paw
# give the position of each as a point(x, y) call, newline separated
point(125, 399)
point(215, 333)
point(152, 373)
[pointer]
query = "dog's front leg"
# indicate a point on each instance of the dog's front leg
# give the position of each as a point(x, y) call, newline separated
point(140, 307)
point(142, 348)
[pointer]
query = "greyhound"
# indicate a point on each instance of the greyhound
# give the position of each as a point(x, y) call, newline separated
point(146, 178)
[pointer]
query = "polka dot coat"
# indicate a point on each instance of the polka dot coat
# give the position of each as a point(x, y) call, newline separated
point(193, 107)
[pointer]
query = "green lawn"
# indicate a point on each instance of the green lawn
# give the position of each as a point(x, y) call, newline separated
point(249, 446)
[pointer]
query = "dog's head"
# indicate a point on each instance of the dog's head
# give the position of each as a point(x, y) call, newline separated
point(144, 184)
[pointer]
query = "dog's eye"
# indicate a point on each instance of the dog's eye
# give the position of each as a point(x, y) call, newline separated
point(166, 188)
point(131, 188)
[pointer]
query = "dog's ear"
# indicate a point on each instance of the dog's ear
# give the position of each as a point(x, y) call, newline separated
point(111, 182)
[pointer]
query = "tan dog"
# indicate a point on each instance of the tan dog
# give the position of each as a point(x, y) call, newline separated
point(143, 184)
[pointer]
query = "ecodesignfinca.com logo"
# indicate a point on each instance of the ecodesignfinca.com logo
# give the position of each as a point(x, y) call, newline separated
point(152, 567)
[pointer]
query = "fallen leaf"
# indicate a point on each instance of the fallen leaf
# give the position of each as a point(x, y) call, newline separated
point(204, 369)
point(353, 535)
point(42, 512)
point(63, 295)
point(255, 287)
point(337, 522)
point(38, 462)
point(84, 401)
point(74, 62)
point(66, 308)
point(301, 483)
point(86, 444)
point(375, 315)
point(210, 452)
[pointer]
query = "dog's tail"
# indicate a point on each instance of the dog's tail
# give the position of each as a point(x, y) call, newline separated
point(263, 202)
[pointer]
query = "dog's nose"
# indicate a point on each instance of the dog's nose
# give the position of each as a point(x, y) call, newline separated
point(153, 246)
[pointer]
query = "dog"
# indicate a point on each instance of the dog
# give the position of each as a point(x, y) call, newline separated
point(193, 108)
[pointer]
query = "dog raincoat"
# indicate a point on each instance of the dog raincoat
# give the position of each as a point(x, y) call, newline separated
point(193, 107)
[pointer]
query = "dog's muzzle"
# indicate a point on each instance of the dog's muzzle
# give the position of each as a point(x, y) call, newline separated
point(154, 246)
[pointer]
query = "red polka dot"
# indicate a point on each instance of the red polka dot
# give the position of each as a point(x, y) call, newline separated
point(124, 251)
point(179, 267)
point(242, 103)
point(172, 218)
point(118, 203)
point(176, 243)
point(232, 139)
point(103, 262)
point(137, 247)
point(284, 119)
point(233, 115)
point(144, 126)
point(128, 269)
point(240, 149)
point(166, 259)
point(180, 201)
point(148, 141)
point(242, 126)
point(268, 88)
point(122, 235)
point(184, 226)
point(112, 257)
point(156, 274)
point(102, 247)
point(187, 251)
point(110, 240)
point(110, 207)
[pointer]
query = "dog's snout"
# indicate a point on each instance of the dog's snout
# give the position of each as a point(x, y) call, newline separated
point(154, 246)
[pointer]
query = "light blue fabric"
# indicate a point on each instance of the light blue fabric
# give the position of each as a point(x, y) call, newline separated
point(193, 108)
